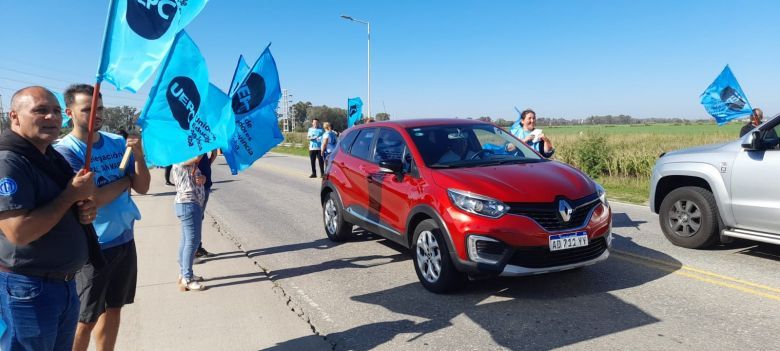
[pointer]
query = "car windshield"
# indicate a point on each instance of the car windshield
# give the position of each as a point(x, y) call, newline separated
point(470, 145)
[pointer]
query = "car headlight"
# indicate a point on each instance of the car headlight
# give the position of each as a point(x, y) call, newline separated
point(601, 193)
point(477, 204)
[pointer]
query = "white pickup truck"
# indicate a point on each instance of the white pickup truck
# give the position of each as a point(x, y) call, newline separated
point(713, 193)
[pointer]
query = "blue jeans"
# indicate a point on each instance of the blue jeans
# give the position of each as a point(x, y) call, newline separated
point(191, 216)
point(40, 314)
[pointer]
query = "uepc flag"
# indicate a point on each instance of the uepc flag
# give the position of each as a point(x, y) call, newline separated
point(138, 35)
point(517, 127)
point(354, 111)
point(183, 115)
point(242, 68)
point(724, 98)
point(253, 110)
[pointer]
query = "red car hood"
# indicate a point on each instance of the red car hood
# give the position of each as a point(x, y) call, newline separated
point(530, 182)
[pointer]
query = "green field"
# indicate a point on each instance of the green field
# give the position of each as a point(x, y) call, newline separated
point(620, 157)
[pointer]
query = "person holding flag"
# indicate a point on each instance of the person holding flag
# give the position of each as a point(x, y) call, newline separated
point(45, 230)
point(103, 292)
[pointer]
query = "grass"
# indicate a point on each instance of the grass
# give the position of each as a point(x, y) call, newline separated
point(291, 150)
point(631, 190)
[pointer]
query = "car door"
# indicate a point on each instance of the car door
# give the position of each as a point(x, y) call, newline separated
point(358, 167)
point(755, 195)
point(392, 194)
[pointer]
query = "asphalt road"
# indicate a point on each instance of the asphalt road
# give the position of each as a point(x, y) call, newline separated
point(364, 294)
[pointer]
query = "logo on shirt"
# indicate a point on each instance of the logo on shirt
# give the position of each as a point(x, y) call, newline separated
point(8, 187)
point(249, 95)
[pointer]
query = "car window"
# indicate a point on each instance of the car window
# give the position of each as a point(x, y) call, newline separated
point(346, 141)
point(771, 139)
point(362, 146)
point(390, 145)
point(469, 145)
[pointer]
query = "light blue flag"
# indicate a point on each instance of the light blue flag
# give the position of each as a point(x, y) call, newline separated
point(354, 111)
point(253, 109)
point(138, 35)
point(183, 115)
point(724, 98)
point(517, 127)
point(61, 100)
point(242, 68)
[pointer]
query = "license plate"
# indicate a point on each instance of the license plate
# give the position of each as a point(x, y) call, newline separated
point(568, 241)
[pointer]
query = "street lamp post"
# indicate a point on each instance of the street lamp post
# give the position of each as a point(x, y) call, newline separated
point(368, 26)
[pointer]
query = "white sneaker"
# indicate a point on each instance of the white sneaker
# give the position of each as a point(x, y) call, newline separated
point(190, 285)
point(196, 278)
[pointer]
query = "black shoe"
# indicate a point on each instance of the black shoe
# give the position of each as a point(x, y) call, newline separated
point(313, 176)
point(201, 252)
point(169, 183)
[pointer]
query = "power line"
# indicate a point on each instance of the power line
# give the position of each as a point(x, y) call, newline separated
point(60, 87)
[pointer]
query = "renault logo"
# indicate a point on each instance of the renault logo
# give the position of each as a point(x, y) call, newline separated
point(565, 210)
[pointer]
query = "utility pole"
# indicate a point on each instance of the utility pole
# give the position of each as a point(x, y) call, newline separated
point(285, 112)
point(288, 114)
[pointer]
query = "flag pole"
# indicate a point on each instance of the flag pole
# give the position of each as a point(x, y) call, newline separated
point(96, 93)
point(91, 136)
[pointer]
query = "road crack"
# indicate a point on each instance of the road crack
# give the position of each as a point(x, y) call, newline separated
point(287, 298)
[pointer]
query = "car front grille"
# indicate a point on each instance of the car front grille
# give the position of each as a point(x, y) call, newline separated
point(546, 214)
point(542, 257)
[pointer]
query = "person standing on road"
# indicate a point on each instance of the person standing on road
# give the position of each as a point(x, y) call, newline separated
point(103, 292)
point(315, 146)
point(204, 166)
point(536, 140)
point(45, 230)
point(190, 197)
point(329, 140)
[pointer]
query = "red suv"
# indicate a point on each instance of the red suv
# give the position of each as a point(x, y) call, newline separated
point(467, 197)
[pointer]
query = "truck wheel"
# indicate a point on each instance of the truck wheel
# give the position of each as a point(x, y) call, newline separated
point(689, 217)
point(432, 261)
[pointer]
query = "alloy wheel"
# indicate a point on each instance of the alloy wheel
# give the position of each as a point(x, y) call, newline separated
point(331, 216)
point(685, 218)
point(429, 256)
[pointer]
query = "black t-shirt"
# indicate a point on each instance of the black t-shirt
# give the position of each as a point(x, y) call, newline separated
point(746, 129)
point(64, 247)
point(205, 169)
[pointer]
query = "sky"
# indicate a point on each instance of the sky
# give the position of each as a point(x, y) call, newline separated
point(564, 59)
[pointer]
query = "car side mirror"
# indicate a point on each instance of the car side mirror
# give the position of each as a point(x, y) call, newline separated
point(391, 166)
point(753, 142)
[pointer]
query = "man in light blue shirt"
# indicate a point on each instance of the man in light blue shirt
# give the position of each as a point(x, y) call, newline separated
point(103, 292)
point(315, 145)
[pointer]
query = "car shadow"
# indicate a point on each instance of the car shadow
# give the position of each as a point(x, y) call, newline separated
point(538, 312)
point(622, 220)
point(767, 251)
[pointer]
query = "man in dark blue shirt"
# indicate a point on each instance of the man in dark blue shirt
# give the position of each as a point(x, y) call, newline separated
point(205, 169)
point(43, 236)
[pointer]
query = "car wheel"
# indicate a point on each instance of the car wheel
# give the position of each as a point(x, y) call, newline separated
point(432, 261)
point(336, 227)
point(689, 217)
